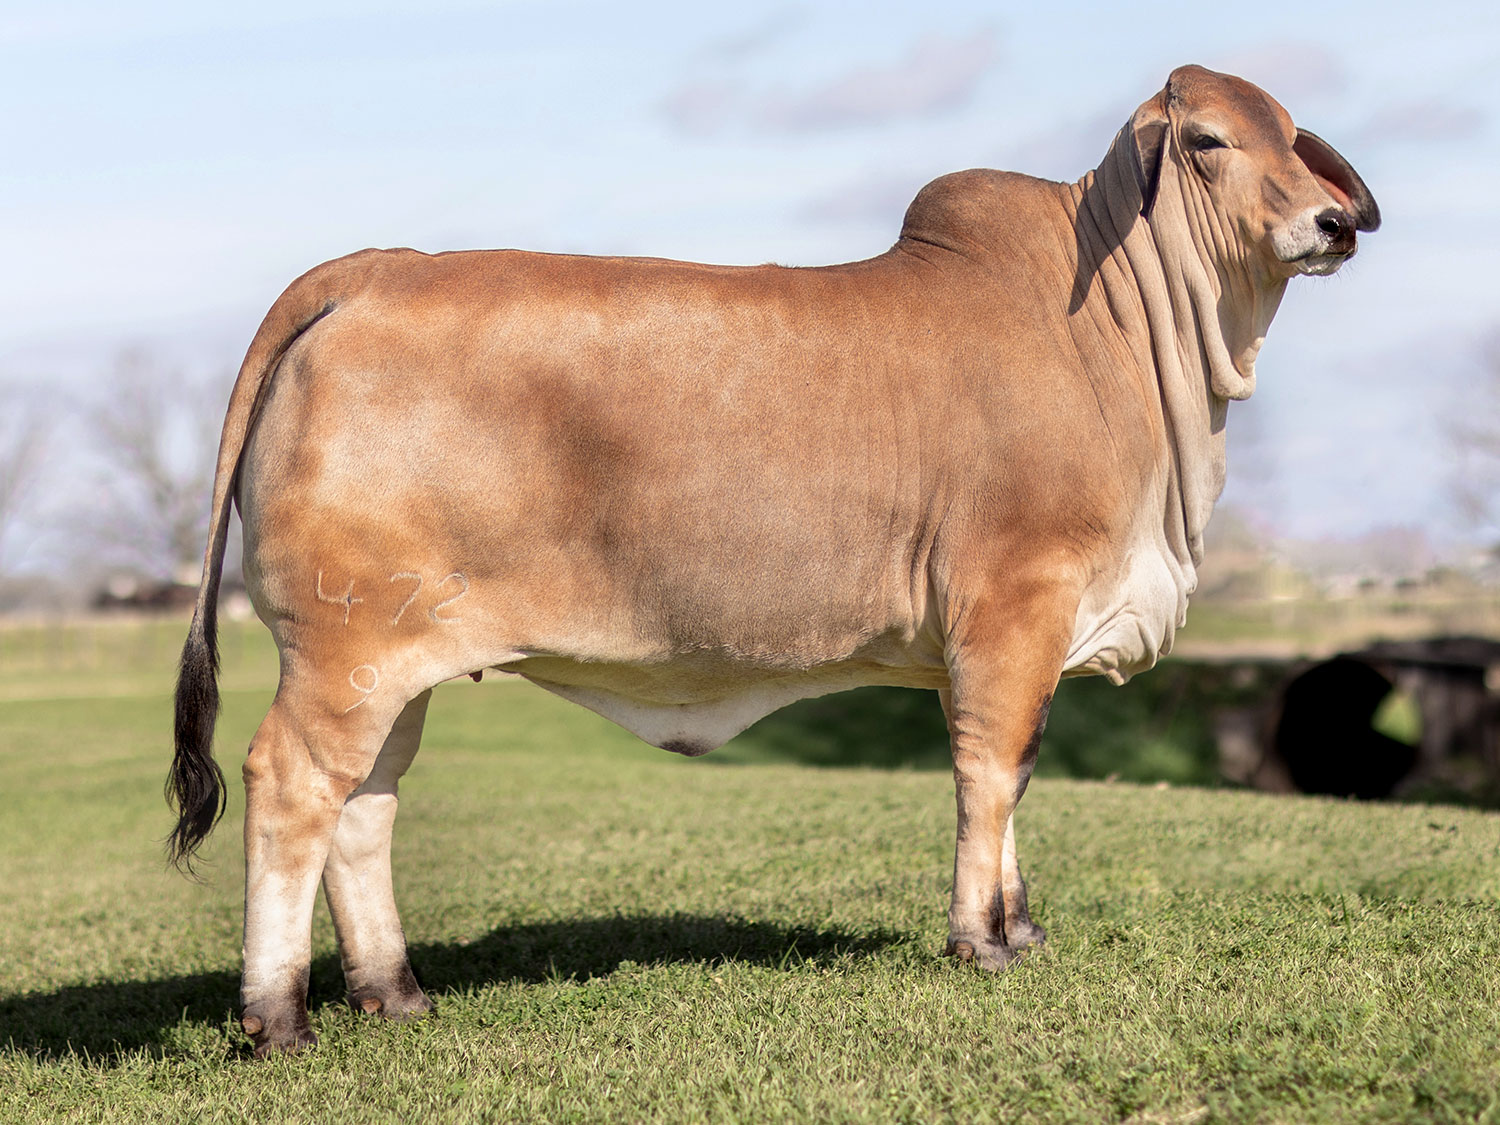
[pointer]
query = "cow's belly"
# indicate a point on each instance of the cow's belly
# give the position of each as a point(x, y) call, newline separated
point(694, 704)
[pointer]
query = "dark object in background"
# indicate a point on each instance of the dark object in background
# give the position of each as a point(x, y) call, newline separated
point(1456, 683)
point(1269, 723)
point(132, 595)
point(1325, 734)
point(1318, 736)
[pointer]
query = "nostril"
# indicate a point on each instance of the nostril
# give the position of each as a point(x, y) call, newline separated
point(1333, 223)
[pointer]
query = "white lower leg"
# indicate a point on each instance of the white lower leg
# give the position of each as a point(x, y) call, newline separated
point(357, 880)
point(1020, 931)
point(282, 864)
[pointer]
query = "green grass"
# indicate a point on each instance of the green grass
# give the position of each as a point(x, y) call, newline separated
point(614, 933)
point(121, 657)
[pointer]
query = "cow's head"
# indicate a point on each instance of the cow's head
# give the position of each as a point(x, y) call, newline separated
point(1239, 201)
point(1253, 183)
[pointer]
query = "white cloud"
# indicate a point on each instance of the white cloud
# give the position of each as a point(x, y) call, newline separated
point(939, 74)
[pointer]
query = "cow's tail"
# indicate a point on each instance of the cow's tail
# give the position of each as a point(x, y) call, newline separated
point(195, 786)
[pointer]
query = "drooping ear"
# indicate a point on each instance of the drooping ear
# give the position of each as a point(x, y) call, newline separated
point(1148, 129)
point(1338, 179)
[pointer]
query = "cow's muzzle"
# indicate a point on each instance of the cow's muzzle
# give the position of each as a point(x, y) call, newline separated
point(1338, 227)
point(1334, 241)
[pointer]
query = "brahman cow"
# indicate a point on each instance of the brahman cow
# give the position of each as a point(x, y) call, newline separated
point(685, 495)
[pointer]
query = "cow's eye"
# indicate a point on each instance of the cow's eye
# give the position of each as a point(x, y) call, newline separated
point(1204, 142)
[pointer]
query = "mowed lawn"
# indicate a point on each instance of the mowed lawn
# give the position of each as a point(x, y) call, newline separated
point(612, 933)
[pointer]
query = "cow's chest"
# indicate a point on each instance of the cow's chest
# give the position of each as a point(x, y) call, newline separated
point(1127, 618)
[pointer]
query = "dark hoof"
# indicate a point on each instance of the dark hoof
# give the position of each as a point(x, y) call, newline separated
point(404, 1001)
point(1024, 935)
point(982, 953)
point(270, 1035)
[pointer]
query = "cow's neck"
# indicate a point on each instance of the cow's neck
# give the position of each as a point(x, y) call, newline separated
point(1202, 325)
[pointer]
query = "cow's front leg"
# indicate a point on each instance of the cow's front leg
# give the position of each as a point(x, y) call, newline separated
point(357, 882)
point(1003, 674)
point(1019, 931)
point(301, 769)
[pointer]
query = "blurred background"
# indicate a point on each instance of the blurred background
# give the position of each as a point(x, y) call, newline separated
point(171, 167)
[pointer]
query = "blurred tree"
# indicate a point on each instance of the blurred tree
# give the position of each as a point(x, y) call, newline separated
point(157, 435)
point(24, 434)
point(1475, 433)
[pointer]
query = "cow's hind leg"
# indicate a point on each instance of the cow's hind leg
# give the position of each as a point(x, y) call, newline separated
point(306, 759)
point(357, 881)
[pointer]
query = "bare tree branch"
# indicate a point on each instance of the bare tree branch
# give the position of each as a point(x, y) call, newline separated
point(1475, 435)
point(24, 436)
point(157, 435)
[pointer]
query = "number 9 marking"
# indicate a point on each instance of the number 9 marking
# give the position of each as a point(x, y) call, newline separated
point(365, 674)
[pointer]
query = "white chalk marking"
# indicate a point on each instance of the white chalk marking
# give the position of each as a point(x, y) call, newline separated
point(406, 575)
point(433, 612)
point(346, 599)
point(354, 678)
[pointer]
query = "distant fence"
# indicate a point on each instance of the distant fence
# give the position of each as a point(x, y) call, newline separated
point(1298, 627)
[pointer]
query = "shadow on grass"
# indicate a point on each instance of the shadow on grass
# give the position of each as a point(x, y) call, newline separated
point(106, 1021)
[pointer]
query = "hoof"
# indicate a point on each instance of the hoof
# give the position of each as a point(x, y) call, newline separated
point(1024, 935)
point(406, 1001)
point(983, 953)
point(270, 1035)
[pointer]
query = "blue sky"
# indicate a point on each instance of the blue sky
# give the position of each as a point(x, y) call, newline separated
point(170, 167)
